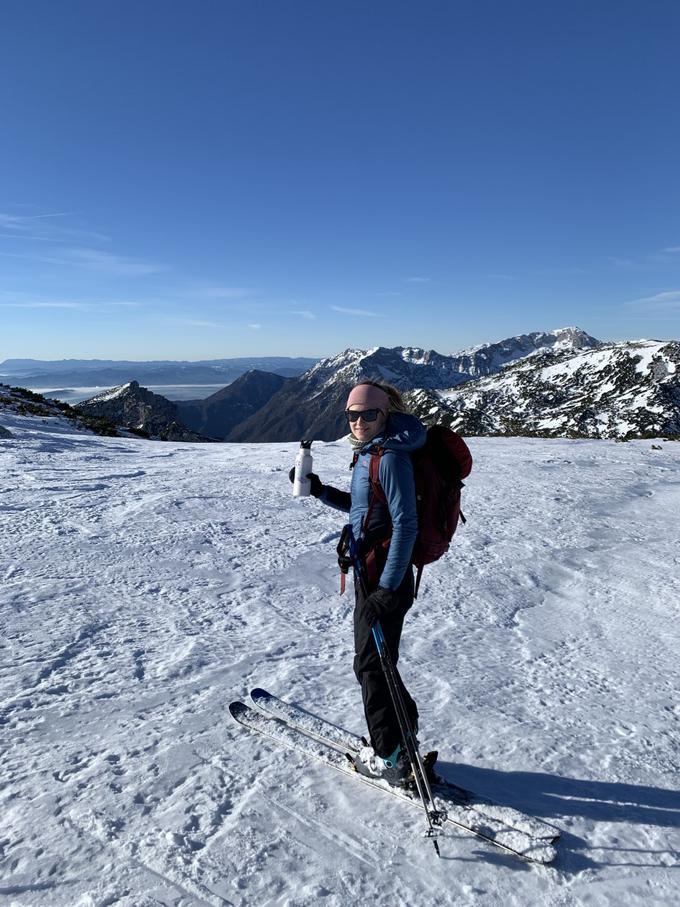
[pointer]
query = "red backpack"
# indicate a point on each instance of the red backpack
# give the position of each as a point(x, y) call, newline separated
point(438, 469)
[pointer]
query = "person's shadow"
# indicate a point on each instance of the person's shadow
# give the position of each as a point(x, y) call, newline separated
point(553, 797)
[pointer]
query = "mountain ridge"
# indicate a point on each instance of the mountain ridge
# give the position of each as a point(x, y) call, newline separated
point(562, 383)
point(312, 405)
point(620, 390)
point(216, 415)
point(140, 410)
point(107, 373)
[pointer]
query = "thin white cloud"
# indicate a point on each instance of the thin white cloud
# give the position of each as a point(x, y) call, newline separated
point(108, 263)
point(664, 301)
point(25, 301)
point(255, 327)
point(418, 279)
point(501, 276)
point(224, 292)
point(94, 260)
point(645, 261)
point(44, 305)
point(32, 237)
point(55, 214)
point(196, 323)
point(559, 271)
point(22, 222)
point(363, 313)
point(41, 227)
point(303, 313)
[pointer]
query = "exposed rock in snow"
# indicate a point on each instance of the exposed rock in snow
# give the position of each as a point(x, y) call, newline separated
point(140, 410)
point(313, 404)
point(489, 358)
point(5, 432)
point(621, 390)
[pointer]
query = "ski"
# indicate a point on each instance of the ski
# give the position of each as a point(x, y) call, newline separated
point(346, 742)
point(460, 815)
point(311, 724)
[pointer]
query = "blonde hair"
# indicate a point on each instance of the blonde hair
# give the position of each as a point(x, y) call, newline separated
point(396, 404)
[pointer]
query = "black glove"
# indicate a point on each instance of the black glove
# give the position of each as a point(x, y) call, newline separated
point(317, 485)
point(379, 604)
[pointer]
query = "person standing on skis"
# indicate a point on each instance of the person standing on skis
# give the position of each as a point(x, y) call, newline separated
point(384, 530)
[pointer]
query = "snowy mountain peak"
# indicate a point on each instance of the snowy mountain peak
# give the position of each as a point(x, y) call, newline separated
point(139, 409)
point(525, 344)
point(409, 367)
point(115, 393)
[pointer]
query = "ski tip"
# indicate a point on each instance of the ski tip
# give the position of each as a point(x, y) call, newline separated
point(545, 854)
point(259, 693)
point(237, 708)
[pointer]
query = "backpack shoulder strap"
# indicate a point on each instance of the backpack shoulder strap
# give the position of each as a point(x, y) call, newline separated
point(374, 473)
point(377, 493)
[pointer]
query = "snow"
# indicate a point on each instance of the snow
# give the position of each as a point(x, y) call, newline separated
point(147, 584)
point(414, 355)
point(647, 351)
point(112, 394)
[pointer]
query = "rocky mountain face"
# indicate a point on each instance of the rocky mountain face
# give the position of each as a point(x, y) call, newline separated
point(218, 414)
point(140, 410)
point(313, 404)
point(490, 358)
point(619, 390)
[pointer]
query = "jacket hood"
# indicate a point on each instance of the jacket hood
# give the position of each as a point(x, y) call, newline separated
point(402, 432)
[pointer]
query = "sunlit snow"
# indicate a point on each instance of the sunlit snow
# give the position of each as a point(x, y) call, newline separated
point(147, 584)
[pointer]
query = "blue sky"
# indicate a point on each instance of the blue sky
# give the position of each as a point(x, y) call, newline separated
point(198, 180)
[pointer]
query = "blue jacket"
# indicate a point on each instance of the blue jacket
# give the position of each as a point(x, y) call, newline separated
point(403, 434)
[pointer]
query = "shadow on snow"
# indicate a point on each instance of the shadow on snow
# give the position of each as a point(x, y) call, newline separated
point(553, 797)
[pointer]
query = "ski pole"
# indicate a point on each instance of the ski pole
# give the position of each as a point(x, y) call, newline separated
point(432, 815)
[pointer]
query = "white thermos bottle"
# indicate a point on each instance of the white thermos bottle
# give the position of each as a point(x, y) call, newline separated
point(303, 466)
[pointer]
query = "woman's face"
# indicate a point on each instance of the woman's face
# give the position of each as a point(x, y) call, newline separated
point(366, 431)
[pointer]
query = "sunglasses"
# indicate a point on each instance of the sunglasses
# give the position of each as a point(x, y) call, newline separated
point(368, 415)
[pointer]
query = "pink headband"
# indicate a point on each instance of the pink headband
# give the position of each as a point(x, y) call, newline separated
point(369, 397)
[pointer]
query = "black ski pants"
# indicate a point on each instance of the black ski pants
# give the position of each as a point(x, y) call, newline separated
point(383, 725)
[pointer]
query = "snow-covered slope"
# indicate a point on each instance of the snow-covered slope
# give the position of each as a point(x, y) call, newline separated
point(146, 584)
point(622, 390)
point(22, 402)
point(489, 358)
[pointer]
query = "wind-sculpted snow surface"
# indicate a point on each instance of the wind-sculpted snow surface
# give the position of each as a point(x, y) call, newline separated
point(145, 585)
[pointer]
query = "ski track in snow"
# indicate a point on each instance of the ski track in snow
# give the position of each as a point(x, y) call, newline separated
point(147, 584)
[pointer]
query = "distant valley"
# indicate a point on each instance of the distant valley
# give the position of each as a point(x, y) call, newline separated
point(64, 373)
